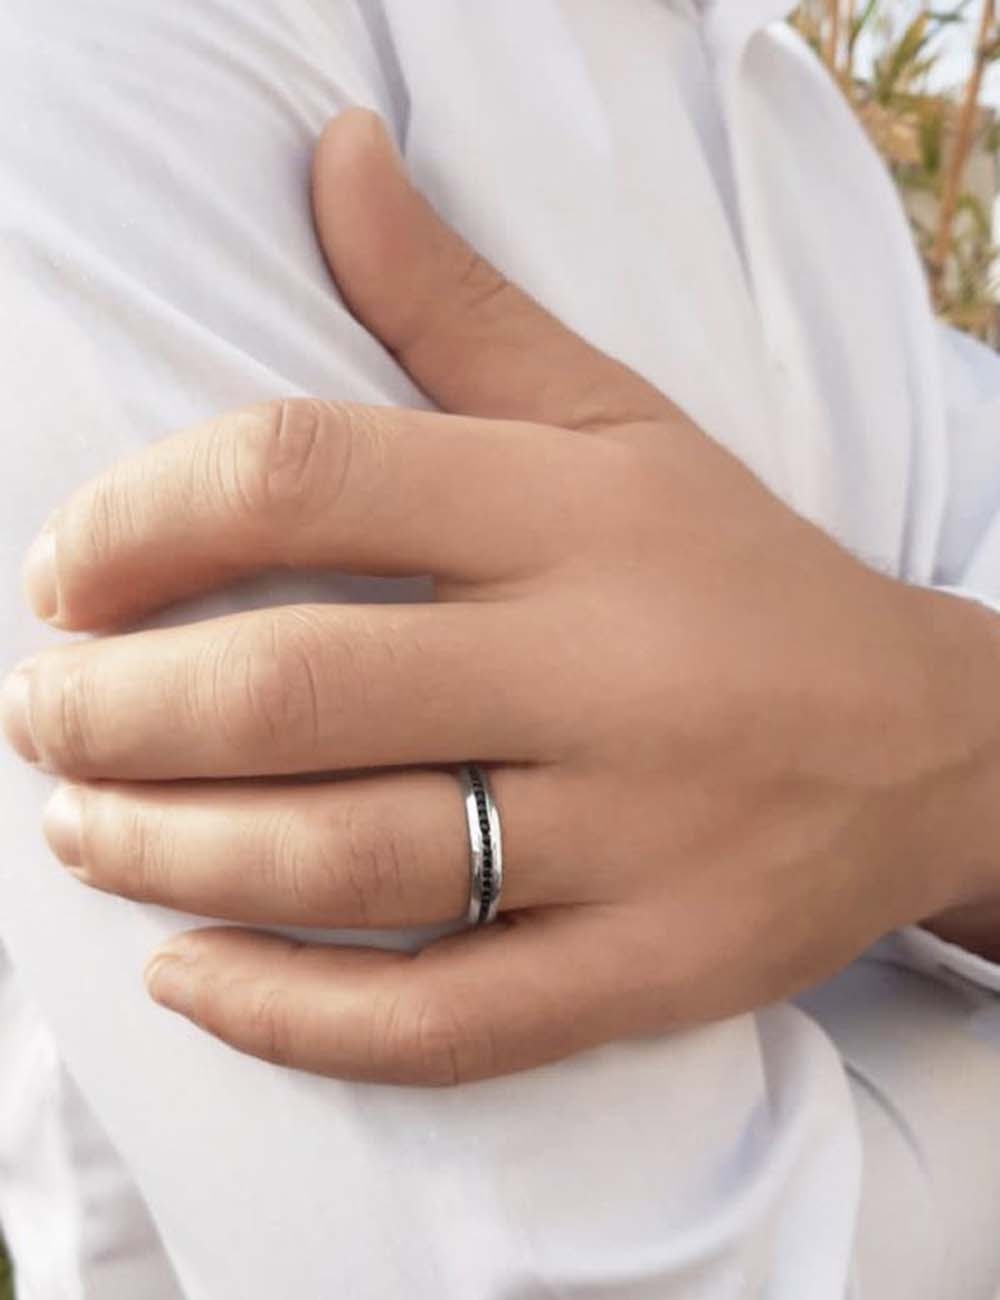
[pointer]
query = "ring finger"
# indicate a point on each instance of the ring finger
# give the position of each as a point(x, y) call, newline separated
point(381, 850)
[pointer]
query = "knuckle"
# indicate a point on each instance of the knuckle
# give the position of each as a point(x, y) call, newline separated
point(63, 718)
point(371, 865)
point(601, 405)
point(347, 868)
point(267, 1023)
point(440, 1044)
point(289, 868)
point(481, 283)
point(424, 1040)
point(264, 686)
point(251, 1013)
point(293, 458)
point(125, 848)
point(277, 453)
point(99, 531)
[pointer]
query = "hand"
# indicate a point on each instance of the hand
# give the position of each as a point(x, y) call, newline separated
point(727, 755)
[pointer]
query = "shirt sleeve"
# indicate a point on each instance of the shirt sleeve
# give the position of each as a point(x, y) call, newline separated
point(968, 565)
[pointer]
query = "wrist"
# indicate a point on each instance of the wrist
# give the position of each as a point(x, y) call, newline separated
point(956, 779)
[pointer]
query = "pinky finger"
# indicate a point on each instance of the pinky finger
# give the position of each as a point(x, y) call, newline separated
point(472, 1006)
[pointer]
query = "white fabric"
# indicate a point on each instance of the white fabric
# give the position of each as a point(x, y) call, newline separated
point(686, 190)
point(67, 1203)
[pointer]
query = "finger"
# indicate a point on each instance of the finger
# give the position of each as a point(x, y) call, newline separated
point(468, 337)
point(290, 690)
point(476, 1005)
point(372, 851)
point(312, 484)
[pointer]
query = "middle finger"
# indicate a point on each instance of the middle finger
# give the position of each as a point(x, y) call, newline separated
point(289, 690)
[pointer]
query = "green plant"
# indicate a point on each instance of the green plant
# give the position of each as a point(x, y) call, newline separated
point(6, 1275)
point(930, 140)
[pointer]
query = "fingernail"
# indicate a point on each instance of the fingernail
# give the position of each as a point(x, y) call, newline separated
point(15, 712)
point(169, 982)
point(384, 137)
point(398, 161)
point(62, 822)
point(41, 583)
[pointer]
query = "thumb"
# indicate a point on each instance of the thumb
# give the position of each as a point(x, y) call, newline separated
point(474, 342)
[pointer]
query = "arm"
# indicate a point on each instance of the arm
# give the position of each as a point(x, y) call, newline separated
point(969, 564)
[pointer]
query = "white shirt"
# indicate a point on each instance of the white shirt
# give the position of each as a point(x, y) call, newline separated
point(688, 191)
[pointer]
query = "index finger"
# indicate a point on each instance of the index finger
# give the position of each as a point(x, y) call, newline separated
point(309, 484)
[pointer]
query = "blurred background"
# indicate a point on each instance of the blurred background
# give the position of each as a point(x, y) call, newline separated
point(924, 81)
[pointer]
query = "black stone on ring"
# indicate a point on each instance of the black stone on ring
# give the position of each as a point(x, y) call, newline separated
point(485, 846)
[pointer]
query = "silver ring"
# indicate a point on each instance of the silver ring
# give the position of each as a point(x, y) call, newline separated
point(485, 846)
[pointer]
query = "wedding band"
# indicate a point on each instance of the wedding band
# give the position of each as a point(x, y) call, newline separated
point(485, 846)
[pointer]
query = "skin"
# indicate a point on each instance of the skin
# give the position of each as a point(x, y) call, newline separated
point(727, 755)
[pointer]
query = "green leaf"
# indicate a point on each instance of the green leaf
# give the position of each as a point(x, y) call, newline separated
point(895, 70)
point(861, 23)
point(6, 1275)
